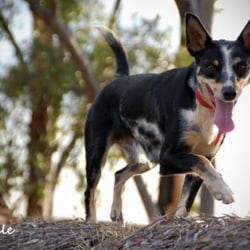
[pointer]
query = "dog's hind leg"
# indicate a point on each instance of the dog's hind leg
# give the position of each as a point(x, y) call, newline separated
point(190, 188)
point(121, 177)
point(93, 176)
point(93, 173)
point(96, 146)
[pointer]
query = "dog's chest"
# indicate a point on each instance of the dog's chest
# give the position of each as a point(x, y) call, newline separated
point(200, 133)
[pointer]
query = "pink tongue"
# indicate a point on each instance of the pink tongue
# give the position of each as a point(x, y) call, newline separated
point(223, 115)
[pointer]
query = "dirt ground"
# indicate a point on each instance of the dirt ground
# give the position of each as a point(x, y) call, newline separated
point(229, 232)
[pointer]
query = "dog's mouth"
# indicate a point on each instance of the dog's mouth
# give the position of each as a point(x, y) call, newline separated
point(223, 112)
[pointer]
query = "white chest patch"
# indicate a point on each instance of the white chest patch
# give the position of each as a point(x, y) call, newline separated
point(200, 132)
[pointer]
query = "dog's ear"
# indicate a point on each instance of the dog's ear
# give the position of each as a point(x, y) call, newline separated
point(197, 37)
point(244, 36)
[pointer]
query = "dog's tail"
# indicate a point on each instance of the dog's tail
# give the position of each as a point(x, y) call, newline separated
point(122, 68)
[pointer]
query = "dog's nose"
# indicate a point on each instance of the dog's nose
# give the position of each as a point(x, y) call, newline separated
point(229, 93)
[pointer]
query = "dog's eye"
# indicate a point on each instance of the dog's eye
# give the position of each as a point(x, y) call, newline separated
point(211, 68)
point(240, 68)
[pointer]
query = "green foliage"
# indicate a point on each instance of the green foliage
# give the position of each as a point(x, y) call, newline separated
point(102, 55)
point(147, 45)
point(183, 58)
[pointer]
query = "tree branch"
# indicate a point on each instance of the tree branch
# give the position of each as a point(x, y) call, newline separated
point(53, 7)
point(70, 43)
point(151, 208)
point(65, 156)
point(5, 27)
point(114, 14)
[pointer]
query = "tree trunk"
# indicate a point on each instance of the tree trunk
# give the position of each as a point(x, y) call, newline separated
point(36, 174)
point(38, 147)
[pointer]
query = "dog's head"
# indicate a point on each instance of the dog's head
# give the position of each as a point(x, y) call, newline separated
point(222, 67)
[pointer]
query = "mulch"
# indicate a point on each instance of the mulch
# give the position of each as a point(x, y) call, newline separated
point(228, 232)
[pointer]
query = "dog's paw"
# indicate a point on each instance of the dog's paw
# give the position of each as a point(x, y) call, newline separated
point(181, 211)
point(220, 190)
point(116, 216)
point(224, 194)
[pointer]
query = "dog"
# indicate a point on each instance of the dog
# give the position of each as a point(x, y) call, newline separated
point(176, 119)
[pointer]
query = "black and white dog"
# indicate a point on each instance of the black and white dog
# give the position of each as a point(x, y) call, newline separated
point(177, 119)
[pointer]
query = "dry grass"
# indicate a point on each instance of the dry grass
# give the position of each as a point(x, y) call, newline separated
point(229, 232)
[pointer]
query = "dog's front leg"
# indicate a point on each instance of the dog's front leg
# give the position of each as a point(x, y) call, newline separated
point(181, 163)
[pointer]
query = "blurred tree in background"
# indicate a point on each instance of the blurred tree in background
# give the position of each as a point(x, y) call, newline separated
point(43, 107)
point(46, 91)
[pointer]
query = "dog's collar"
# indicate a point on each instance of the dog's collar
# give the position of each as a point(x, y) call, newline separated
point(201, 100)
point(218, 138)
point(205, 104)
